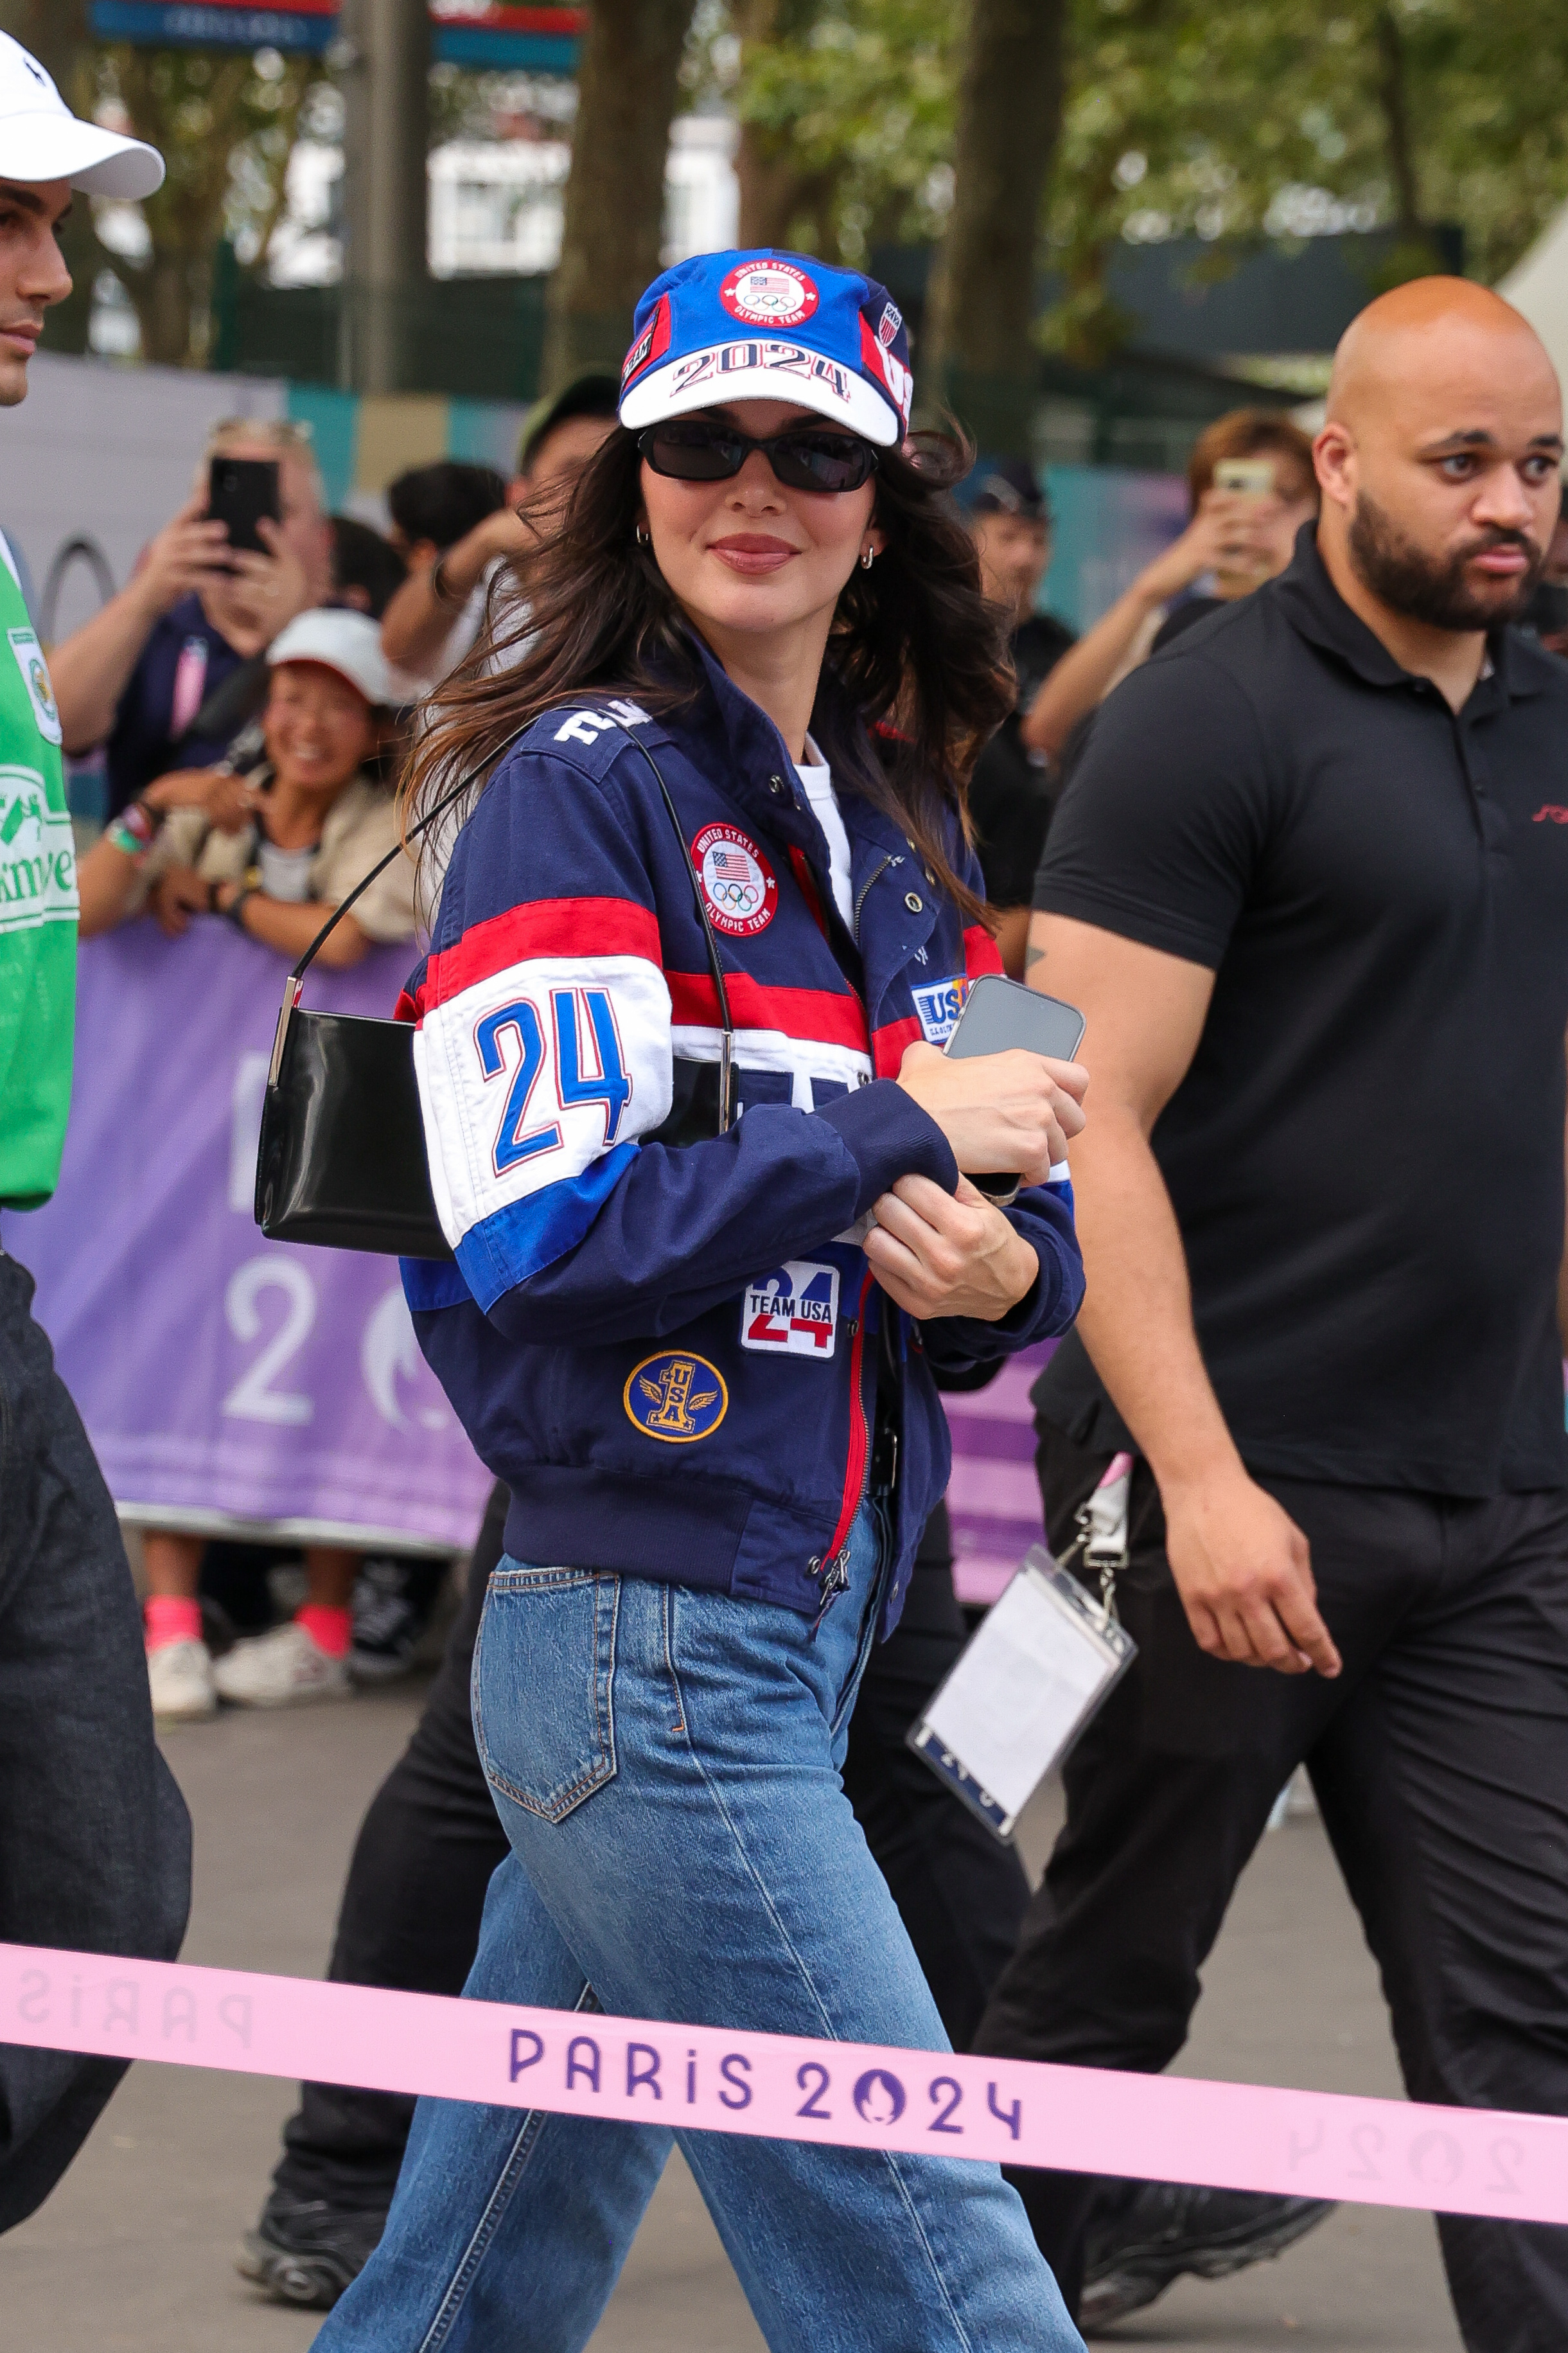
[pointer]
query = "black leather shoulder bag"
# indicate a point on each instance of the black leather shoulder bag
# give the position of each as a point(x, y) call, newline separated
point(342, 1160)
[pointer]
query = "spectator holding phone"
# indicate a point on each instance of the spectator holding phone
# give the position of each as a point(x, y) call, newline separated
point(197, 607)
point(1241, 535)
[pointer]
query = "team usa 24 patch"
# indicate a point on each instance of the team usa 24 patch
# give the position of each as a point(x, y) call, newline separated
point(792, 1312)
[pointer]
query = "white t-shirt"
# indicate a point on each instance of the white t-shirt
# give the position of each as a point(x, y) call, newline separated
point(286, 873)
point(817, 779)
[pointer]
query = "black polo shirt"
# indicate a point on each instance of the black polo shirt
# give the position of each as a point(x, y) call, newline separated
point(1009, 797)
point(1366, 1155)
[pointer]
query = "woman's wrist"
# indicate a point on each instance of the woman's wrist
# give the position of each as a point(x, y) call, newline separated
point(1018, 1268)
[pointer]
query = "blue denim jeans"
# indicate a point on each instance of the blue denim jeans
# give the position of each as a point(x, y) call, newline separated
point(666, 1766)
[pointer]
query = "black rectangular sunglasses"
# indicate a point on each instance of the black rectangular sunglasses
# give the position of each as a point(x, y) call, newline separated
point(802, 456)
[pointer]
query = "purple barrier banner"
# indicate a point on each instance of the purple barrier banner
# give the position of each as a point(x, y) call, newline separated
point(227, 1383)
point(994, 1497)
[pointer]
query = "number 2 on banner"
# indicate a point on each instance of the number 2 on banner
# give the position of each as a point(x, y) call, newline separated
point(252, 1398)
point(517, 1029)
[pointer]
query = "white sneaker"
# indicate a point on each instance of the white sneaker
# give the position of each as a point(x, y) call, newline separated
point(282, 1668)
point(181, 1675)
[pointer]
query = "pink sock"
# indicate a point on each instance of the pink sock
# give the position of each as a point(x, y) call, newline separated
point(331, 1629)
point(170, 1618)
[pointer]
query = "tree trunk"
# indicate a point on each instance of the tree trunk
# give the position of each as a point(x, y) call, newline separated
point(1391, 99)
point(614, 224)
point(385, 138)
point(166, 306)
point(979, 354)
point(56, 33)
point(780, 204)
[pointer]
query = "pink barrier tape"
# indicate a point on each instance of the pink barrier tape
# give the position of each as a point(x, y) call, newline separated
point(781, 2086)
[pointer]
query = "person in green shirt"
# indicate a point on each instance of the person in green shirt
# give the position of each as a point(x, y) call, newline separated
point(95, 1851)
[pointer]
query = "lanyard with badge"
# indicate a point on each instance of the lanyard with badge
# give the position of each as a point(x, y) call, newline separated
point(1045, 1659)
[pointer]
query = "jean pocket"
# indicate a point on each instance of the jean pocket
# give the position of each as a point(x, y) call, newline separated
point(544, 1686)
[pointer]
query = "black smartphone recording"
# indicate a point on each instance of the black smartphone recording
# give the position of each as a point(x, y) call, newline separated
point(242, 493)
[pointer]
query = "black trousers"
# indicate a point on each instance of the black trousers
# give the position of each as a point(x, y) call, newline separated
point(95, 1842)
point(1440, 1761)
point(416, 1884)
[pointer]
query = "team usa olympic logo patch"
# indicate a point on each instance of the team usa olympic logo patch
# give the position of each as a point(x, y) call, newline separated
point(769, 294)
point(676, 1397)
point(740, 889)
point(794, 1312)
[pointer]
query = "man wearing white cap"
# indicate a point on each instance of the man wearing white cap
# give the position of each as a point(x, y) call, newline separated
point(94, 1838)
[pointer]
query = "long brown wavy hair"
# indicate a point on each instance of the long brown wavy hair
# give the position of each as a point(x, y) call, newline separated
point(919, 652)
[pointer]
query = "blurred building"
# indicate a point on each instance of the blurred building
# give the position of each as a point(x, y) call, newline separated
point(496, 204)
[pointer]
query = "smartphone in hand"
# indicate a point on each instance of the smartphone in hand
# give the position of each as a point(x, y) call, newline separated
point(1000, 1014)
point(240, 493)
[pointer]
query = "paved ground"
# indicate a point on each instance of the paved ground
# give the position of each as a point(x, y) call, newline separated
point(133, 2253)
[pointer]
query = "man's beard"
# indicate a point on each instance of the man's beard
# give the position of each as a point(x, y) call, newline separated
point(1434, 589)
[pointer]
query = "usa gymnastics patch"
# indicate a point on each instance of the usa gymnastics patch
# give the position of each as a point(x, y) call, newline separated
point(739, 888)
point(676, 1397)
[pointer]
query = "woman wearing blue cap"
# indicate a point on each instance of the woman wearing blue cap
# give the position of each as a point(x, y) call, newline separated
point(704, 1170)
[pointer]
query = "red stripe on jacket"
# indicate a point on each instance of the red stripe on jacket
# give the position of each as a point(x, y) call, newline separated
point(808, 889)
point(981, 953)
point(820, 1016)
point(544, 927)
point(892, 1038)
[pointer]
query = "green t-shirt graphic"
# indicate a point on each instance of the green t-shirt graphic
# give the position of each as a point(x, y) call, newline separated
point(37, 913)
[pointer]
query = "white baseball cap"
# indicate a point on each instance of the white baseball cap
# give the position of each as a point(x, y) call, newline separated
point(41, 139)
point(346, 641)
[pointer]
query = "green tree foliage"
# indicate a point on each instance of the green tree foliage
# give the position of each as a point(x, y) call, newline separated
point(852, 103)
point(1226, 118)
point(1237, 119)
point(226, 123)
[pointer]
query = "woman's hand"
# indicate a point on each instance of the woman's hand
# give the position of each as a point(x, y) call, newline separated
point(948, 1254)
point(264, 591)
point(1002, 1113)
point(226, 799)
point(176, 897)
point(1224, 535)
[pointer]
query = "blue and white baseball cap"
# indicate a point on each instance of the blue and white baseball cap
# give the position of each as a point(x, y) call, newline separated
point(769, 326)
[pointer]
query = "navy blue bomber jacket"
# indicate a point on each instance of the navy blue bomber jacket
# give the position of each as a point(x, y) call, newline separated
point(670, 1351)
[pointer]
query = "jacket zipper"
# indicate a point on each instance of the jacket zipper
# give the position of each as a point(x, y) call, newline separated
point(889, 860)
point(835, 1577)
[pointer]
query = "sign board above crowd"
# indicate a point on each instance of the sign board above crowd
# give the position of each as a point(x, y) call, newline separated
point(490, 36)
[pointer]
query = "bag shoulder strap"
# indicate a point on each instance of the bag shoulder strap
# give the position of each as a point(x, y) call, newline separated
point(715, 966)
point(294, 983)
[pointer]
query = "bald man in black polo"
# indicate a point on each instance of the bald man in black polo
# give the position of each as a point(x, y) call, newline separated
point(1310, 886)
